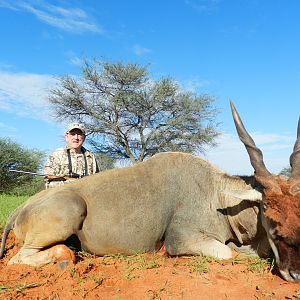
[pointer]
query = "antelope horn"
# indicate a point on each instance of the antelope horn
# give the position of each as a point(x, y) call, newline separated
point(295, 164)
point(262, 175)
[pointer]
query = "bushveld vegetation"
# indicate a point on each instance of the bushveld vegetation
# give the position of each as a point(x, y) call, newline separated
point(128, 115)
point(15, 156)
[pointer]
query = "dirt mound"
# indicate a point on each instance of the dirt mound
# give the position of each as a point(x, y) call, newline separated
point(144, 276)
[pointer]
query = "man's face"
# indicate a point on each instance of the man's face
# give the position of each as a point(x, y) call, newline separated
point(75, 138)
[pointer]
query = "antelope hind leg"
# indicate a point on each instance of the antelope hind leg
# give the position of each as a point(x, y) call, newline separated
point(44, 227)
point(36, 258)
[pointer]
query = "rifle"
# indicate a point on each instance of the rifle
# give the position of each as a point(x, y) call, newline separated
point(72, 176)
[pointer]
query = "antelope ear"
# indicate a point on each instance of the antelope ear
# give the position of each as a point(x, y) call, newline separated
point(252, 195)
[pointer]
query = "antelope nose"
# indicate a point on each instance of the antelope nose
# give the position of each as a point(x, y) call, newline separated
point(295, 275)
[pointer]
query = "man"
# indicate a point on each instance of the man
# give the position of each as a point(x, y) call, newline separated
point(71, 162)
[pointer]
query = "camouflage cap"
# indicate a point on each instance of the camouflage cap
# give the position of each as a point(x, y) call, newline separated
point(76, 126)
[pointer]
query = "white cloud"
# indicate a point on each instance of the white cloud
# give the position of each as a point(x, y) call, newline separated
point(25, 93)
point(140, 51)
point(69, 19)
point(204, 5)
point(7, 128)
point(232, 157)
point(75, 60)
point(194, 84)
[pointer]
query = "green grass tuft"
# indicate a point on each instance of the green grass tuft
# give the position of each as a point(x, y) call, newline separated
point(7, 204)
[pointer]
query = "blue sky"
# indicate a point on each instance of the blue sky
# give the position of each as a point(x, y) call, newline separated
point(244, 50)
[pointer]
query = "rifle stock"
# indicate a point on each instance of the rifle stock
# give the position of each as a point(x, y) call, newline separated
point(60, 178)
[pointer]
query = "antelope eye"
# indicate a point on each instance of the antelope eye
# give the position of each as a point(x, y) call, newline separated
point(278, 238)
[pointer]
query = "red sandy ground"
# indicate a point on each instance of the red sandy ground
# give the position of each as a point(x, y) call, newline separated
point(144, 276)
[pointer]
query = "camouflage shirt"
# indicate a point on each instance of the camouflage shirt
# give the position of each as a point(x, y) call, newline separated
point(63, 161)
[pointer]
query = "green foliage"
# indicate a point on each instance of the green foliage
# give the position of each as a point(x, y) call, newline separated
point(128, 115)
point(14, 156)
point(30, 187)
point(286, 172)
point(7, 204)
point(104, 161)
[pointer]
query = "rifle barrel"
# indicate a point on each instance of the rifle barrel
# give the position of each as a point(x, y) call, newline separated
point(27, 172)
